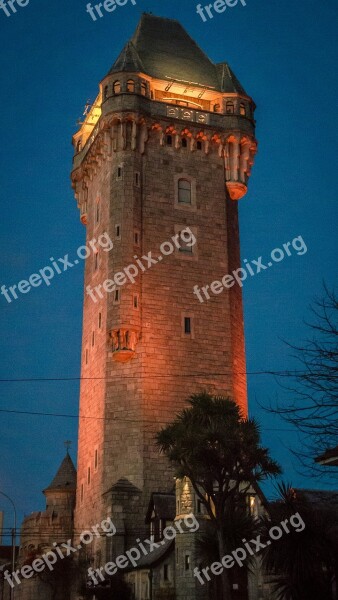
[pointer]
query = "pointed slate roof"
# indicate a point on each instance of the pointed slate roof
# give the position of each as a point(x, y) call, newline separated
point(228, 80)
point(162, 48)
point(128, 60)
point(125, 486)
point(65, 478)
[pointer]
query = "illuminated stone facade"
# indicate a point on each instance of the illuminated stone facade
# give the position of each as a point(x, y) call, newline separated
point(164, 115)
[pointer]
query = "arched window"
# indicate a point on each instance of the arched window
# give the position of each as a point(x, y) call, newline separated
point(79, 146)
point(184, 142)
point(131, 86)
point(199, 145)
point(143, 89)
point(169, 140)
point(105, 92)
point(117, 87)
point(217, 108)
point(242, 110)
point(184, 191)
point(230, 108)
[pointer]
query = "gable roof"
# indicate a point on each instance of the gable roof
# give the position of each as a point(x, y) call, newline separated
point(165, 547)
point(162, 48)
point(65, 477)
point(164, 506)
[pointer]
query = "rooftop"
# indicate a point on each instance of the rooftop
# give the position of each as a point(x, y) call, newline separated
point(65, 477)
point(161, 48)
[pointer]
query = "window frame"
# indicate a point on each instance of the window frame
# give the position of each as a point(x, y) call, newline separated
point(185, 255)
point(184, 205)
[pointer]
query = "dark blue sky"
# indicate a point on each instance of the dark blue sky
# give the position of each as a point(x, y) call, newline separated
point(52, 57)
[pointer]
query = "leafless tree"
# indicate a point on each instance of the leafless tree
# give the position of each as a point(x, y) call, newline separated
point(313, 406)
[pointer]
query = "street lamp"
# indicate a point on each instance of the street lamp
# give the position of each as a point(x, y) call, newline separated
point(13, 539)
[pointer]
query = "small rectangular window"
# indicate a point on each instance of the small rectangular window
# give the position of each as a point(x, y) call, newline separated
point(187, 325)
point(118, 231)
point(119, 172)
point(137, 179)
point(135, 301)
point(137, 237)
point(187, 562)
point(184, 191)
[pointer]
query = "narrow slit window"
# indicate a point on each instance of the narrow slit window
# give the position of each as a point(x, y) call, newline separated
point(187, 325)
point(86, 357)
point(100, 320)
point(96, 261)
point(105, 93)
point(96, 458)
point(135, 301)
point(118, 231)
point(93, 339)
point(119, 172)
point(117, 296)
point(88, 476)
point(187, 562)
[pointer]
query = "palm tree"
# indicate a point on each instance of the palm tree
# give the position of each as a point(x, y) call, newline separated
point(305, 564)
point(219, 450)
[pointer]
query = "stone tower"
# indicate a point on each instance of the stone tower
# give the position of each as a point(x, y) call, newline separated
point(40, 530)
point(167, 145)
